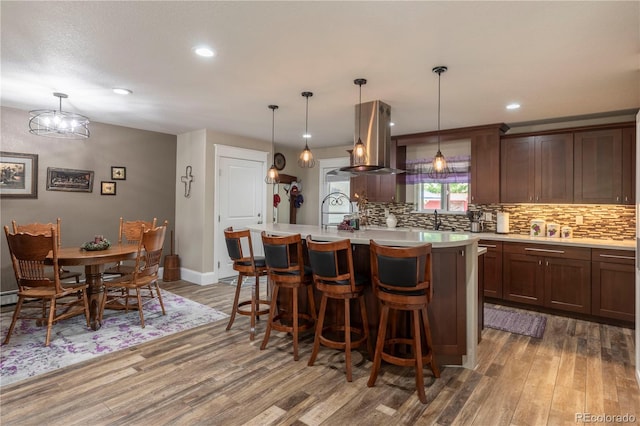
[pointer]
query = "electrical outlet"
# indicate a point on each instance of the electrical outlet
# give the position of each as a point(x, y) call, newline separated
point(488, 216)
point(579, 220)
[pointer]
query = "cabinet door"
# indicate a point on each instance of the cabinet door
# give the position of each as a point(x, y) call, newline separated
point(485, 169)
point(517, 160)
point(492, 269)
point(554, 168)
point(567, 284)
point(523, 277)
point(598, 167)
point(613, 290)
point(628, 165)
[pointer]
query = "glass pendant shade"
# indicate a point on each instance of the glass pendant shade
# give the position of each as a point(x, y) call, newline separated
point(359, 154)
point(58, 123)
point(306, 160)
point(272, 174)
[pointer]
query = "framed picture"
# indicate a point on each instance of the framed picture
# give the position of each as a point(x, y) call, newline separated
point(118, 173)
point(18, 175)
point(69, 180)
point(107, 188)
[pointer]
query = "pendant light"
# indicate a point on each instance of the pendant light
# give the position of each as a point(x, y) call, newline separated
point(306, 157)
point(58, 123)
point(359, 149)
point(272, 173)
point(439, 169)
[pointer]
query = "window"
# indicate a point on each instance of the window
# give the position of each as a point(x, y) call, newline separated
point(450, 195)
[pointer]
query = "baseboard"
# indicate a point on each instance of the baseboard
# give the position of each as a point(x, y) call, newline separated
point(200, 278)
point(8, 297)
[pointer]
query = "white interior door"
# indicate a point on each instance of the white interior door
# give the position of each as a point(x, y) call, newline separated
point(241, 202)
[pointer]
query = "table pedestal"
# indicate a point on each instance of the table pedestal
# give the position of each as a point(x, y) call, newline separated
point(95, 291)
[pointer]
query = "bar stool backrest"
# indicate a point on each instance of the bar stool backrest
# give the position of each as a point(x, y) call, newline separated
point(401, 270)
point(332, 263)
point(283, 255)
point(235, 241)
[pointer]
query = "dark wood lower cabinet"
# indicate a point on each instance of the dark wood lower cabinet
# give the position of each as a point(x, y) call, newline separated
point(567, 285)
point(557, 277)
point(491, 268)
point(523, 278)
point(613, 284)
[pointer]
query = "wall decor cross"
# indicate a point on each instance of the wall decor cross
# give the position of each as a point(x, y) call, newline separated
point(187, 179)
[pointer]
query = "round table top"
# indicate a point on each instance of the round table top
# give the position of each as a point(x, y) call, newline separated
point(78, 256)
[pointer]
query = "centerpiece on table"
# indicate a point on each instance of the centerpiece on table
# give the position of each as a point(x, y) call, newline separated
point(99, 243)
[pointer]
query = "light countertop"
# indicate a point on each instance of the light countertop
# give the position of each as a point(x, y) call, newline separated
point(520, 238)
point(400, 237)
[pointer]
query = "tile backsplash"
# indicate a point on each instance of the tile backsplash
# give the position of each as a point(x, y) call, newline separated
point(616, 222)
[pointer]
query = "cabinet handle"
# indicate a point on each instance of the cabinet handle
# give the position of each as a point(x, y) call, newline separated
point(618, 198)
point(539, 262)
point(547, 263)
point(487, 245)
point(544, 250)
point(613, 256)
point(473, 198)
point(530, 198)
point(462, 253)
point(626, 199)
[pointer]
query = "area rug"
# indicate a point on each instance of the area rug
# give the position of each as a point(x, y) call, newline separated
point(72, 342)
point(515, 322)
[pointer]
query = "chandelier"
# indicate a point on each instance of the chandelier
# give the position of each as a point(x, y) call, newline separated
point(58, 123)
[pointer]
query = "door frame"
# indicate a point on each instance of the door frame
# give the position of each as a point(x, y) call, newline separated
point(240, 153)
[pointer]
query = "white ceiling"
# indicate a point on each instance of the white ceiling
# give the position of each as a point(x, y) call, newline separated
point(557, 59)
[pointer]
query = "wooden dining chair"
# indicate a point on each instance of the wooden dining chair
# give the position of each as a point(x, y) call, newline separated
point(145, 275)
point(129, 233)
point(38, 280)
point(45, 229)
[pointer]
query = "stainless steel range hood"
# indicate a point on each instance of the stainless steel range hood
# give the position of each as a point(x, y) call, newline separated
point(375, 133)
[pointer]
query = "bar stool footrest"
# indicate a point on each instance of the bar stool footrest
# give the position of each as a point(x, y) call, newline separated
point(341, 344)
point(258, 312)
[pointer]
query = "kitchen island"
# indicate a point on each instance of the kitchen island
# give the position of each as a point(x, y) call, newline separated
point(453, 312)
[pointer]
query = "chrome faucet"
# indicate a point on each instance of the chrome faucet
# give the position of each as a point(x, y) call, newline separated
point(436, 223)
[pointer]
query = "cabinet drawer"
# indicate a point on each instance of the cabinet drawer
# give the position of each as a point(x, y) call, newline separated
point(491, 246)
point(545, 250)
point(626, 257)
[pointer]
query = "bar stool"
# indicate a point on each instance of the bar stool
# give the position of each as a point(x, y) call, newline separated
point(401, 279)
point(333, 275)
point(247, 266)
point(286, 269)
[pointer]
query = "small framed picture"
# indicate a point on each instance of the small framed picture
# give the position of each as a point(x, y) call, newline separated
point(107, 188)
point(118, 173)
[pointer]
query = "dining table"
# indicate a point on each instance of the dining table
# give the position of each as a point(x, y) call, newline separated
point(94, 262)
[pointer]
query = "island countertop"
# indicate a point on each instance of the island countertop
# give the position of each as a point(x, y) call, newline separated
point(438, 239)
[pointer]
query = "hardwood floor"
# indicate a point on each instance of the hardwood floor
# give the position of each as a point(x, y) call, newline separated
point(211, 376)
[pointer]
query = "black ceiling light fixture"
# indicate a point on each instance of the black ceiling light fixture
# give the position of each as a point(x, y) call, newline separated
point(306, 160)
point(359, 156)
point(58, 123)
point(439, 169)
point(272, 173)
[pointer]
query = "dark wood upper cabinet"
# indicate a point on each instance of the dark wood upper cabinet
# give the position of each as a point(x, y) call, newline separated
point(598, 166)
point(485, 168)
point(605, 166)
point(537, 169)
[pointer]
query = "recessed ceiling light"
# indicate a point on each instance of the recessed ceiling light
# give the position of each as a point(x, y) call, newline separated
point(204, 51)
point(121, 91)
point(513, 106)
